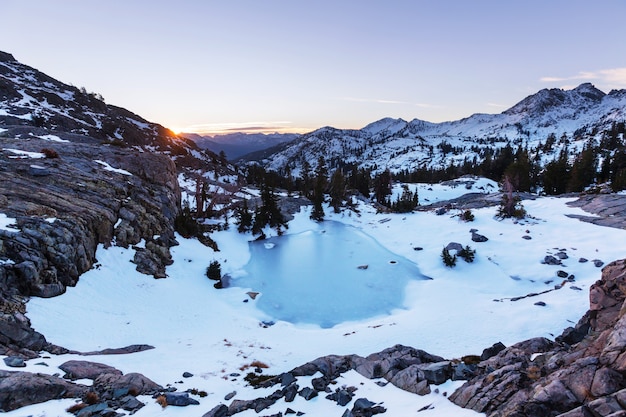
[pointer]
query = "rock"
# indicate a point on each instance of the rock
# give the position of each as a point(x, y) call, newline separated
point(583, 260)
point(342, 397)
point(131, 403)
point(19, 389)
point(454, 246)
point(187, 374)
point(286, 379)
point(492, 351)
point(551, 260)
point(132, 381)
point(540, 304)
point(562, 255)
point(526, 237)
point(437, 373)
point(14, 362)
point(180, 399)
point(290, 392)
point(478, 238)
point(308, 393)
point(230, 396)
point(411, 379)
point(597, 263)
point(217, 411)
point(119, 351)
point(86, 370)
point(561, 274)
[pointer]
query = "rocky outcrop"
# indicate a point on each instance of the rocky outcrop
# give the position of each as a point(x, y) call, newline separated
point(582, 369)
point(92, 194)
point(19, 389)
point(609, 209)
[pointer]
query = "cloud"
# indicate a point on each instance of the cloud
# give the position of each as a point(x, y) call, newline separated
point(610, 78)
point(383, 101)
point(258, 127)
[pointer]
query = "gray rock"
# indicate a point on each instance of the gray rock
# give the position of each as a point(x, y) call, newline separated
point(307, 393)
point(598, 263)
point(454, 246)
point(478, 238)
point(217, 411)
point(19, 389)
point(492, 350)
point(562, 255)
point(551, 260)
point(230, 396)
point(187, 374)
point(14, 362)
point(583, 260)
point(180, 399)
point(437, 373)
point(86, 370)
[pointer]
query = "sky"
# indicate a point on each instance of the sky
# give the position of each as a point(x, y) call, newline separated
point(295, 66)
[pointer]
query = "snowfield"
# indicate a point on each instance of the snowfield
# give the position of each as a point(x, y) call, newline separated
point(213, 333)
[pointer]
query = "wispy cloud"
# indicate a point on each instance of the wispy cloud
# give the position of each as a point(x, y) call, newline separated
point(383, 101)
point(611, 78)
point(257, 127)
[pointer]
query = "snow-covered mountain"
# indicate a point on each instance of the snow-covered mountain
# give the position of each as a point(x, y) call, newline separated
point(238, 144)
point(571, 116)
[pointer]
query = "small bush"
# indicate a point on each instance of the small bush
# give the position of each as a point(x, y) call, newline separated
point(448, 259)
point(467, 216)
point(162, 401)
point(50, 153)
point(186, 224)
point(91, 398)
point(74, 409)
point(214, 271)
point(467, 254)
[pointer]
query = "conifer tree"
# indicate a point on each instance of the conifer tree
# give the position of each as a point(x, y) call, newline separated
point(244, 217)
point(321, 173)
point(337, 190)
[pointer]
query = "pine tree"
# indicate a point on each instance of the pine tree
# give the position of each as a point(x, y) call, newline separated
point(321, 179)
point(337, 190)
point(382, 187)
point(584, 168)
point(214, 271)
point(244, 217)
point(556, 175)
point(448, 259)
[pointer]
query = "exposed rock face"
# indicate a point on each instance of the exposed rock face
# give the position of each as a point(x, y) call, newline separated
point(583, 368)
point(18, 389)
point(94, 194)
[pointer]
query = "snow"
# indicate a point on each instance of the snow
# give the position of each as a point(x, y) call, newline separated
point(24, 154)
point(53, 138)
point(212, 333)
point(108, 167)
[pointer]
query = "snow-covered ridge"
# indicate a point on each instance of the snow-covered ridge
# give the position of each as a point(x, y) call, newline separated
point(576, 115)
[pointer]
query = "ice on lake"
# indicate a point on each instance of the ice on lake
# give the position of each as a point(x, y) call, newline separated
point(326, 276)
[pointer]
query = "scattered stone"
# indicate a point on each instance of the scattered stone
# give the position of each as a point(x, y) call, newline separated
point(561, 274)
point(526, 237)
point(267, 323)
point(307, 393)
point(252, 294)
point(418, 248)
point(454, 246)
point(478, 238)
point(14, 362)
point(287, 379)
point(217, 411)
point(551, 260)
point(540, 304)
point(573, 287)
point(230, 396)
point(180, 399)
point(598, 263)
point(187, 374)
point(562, 255)
point(131, 403)
point(362, 266)
point(583, 260)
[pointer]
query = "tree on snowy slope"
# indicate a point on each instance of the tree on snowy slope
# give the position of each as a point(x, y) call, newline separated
point(337, 190)
point(511, 205)
point(584, 168)
point(321, 178)
point(268, 213)
point(244, 217)
point(556, 175)
point(382, 187)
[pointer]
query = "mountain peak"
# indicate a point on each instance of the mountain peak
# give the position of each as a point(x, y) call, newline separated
point(582, 96)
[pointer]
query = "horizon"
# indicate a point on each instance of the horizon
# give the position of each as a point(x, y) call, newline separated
point(288, 67)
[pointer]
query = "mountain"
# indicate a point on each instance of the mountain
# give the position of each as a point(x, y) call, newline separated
point(570, 116)
point(237, 144)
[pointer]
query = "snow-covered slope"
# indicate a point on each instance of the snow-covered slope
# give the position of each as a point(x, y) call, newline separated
point(571, 115)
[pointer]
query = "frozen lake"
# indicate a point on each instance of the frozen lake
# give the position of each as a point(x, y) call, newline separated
point(326, 276)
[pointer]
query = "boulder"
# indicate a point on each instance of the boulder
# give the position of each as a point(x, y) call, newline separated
point(19, 389)
point(217, 411)
point(135, 382)
point(478, 238)
point(180, 399)
point(86, 370)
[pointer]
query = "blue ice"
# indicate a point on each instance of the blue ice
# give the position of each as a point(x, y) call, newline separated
point(326, 276)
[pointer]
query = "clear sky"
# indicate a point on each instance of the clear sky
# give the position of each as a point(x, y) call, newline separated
point(292, 65)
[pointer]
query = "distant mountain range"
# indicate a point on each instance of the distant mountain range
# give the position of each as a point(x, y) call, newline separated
point(571, 116)
point(237, 144)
